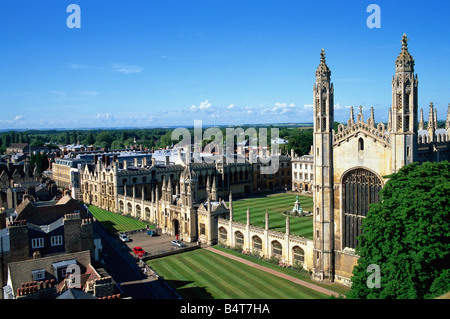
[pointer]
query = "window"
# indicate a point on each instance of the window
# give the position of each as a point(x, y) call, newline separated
point(239, 238)
point(56, 240)
point(202, 229)
point(360, 144)
point(360, 189)
point(299, 254)
point(223, 233)
point(276, 248)
point(38, 274)
point(257, 243)
point(37, 243)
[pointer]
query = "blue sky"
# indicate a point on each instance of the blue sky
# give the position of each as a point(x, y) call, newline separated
point(156, 63)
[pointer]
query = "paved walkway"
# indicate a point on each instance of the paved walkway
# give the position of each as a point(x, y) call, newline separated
point(274, 272)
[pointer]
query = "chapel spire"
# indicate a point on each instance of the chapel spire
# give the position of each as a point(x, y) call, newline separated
point(405, 61)
point(323, 71)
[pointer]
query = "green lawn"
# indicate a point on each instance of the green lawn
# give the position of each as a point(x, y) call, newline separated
point(201, 274)
point(341, 289)
point(116, 222)
point(275, 204)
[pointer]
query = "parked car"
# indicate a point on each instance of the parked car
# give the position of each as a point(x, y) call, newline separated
point(139, 251)
point(123, 237)
point(178, 243)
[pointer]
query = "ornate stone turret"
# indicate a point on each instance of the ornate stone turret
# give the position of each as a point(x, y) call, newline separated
point(323, 72)
point(404, 122)
point(323, 93)
point(351, 120)
point(405, 61)
point(421, 123)
point(371, 119)
point(189, 181)
point(213, 190)
point(432, 123)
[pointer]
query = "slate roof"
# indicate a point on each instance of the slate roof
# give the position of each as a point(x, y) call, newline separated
point(48, 212)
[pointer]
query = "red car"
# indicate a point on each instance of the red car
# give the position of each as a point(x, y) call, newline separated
point(138, 251)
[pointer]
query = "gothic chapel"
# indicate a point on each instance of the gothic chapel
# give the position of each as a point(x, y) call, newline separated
point(350, 164)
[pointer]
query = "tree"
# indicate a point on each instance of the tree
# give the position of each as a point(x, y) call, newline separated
point(41, 162)
point(116, 145)
point(104, 139)
point(74, 137)
point(90, 140)
point(301, 141)
point(407, 234)
point(66, 138)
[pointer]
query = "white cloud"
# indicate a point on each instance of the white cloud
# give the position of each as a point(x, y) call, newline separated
point(231, 106)
point(126, 69)
point(19, 118)
point(205, 105)
point(105, 116)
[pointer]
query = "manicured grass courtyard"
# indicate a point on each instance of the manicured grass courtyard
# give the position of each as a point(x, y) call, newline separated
point(115, 222)
point(275, 205)
point(201, 274)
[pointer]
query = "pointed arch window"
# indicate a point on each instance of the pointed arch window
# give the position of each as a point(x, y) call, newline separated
point(360, 188)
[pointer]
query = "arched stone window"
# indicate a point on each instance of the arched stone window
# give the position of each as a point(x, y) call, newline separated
point(121, 206)
point(360, 188)
point(277, 249)
point(360, 144)
point(239, 238)
point(147, 213)
point(223, 234)
point(129, 208)
point(298, 254)
point(256, 243)
point(138, 211)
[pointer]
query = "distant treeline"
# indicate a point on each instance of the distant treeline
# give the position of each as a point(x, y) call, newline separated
point(299, 137)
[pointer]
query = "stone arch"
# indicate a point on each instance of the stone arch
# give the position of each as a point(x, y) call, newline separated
point(238, 238)
point(276, 248)
point(223, 234)
point(121, 206)
point(138, 210)
point(147, 213)
point(176, 227)
point(129, 208)
point(298, 254)
point(256, 243)
point(360, 188)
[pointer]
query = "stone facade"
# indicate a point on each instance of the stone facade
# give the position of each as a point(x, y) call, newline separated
point(264, 242)
point(351, 164)
point(302, 173)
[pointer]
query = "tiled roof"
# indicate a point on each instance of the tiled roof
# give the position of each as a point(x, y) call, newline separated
point(46, 214)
